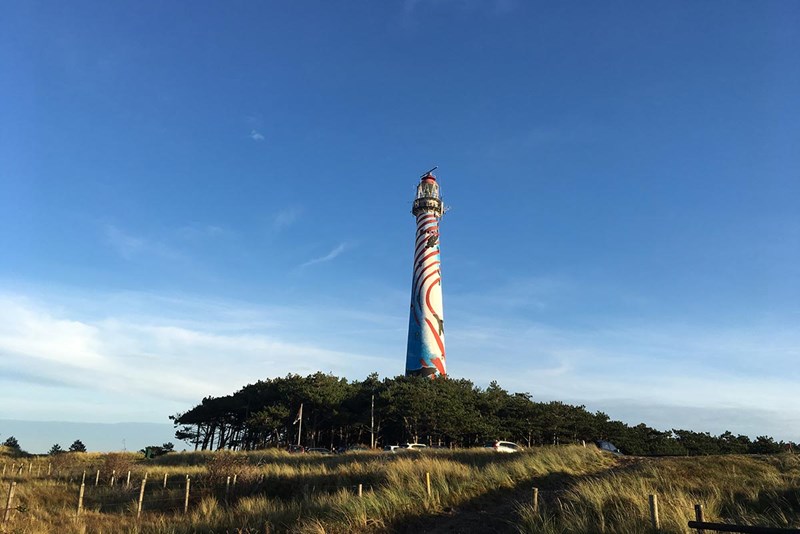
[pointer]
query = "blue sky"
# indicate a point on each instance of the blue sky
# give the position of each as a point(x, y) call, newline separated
point(198, 196)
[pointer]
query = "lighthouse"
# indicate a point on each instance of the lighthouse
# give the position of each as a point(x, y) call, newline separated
point(425, 355)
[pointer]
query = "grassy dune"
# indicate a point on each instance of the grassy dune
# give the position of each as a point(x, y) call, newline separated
point(582, 490)
point(751, 490)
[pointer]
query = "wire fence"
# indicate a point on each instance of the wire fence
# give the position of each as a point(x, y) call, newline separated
point(135, 492)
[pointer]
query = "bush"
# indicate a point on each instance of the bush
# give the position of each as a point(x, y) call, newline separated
point(118, 461)
point(77, 446)
point(12, 443)
point(224, 464)
point(154, 451)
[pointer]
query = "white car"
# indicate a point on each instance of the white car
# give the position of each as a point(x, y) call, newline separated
point(503, 446)
point(414, 446)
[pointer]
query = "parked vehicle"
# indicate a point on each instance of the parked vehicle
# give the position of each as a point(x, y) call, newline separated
point(607, 446)
point(503, 446)
point(318, 450)
point(391, 448)
point(295, 449)
point(414, 446)
point(357, 448)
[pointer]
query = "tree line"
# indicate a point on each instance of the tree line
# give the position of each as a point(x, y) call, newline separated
point(14, 447)
point(450, 413)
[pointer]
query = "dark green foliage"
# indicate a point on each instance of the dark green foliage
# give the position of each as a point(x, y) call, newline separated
point(155, 450)
point(12, 443)
point(55, 449)
point(449, 412)
point(766, 445)
point(77, 446)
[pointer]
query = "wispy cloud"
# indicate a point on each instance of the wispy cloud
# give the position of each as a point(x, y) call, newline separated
point(144, 356)
point(130, 246)
point(513, 294)
point(162, 363)
point(255, 123)
point(196, 231)
point(286, 217)
point(327, 257)
point(691, 370)
point(169, 246)
point(126, 245)
point(567, 131)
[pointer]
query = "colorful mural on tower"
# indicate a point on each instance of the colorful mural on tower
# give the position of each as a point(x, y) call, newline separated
point(426, 353)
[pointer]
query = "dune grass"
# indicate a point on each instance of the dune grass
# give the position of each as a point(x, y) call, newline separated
point(587, 491)
point(750, 490)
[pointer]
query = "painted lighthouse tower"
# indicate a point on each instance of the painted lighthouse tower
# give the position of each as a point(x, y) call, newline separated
point(425, 355)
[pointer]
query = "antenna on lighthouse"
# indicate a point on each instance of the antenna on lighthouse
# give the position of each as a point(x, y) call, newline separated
point(429, 172)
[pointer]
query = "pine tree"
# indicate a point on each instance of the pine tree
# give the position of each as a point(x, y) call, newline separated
point(55, 449)
point(12, 443)
point(77, 446)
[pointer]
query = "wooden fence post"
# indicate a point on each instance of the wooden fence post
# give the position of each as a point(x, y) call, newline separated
point(7, 513)
point(128, 482)
point(234, 478)
point(97, 478)
point(698, 516)
point(165, 481)
point(49, 468)
point(83, 478)
point(428, 483)
point(536, 501)
point(141, 498)
point(227, 489)
point(30, 468)
point(360, 490)
point(654, 521)
point(113, 476)
point(80, 498)
point(186, 498)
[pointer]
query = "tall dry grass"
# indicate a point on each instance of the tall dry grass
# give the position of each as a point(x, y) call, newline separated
point(746, 490)
point(583, 490)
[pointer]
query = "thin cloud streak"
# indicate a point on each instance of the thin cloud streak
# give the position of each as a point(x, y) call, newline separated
point(285, 218)
point(130, 246)
point(197, 232)
point(327, 257)
point(255, 135)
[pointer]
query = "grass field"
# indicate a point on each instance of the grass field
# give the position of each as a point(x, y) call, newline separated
point(580, 490)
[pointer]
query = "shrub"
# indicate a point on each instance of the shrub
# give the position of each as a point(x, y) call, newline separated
point(118, 461)
point(77, 446)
